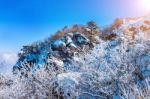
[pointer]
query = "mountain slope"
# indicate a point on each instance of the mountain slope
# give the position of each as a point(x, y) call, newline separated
point(83, 62)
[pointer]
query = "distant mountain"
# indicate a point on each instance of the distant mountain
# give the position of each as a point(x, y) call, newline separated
point(86, 62)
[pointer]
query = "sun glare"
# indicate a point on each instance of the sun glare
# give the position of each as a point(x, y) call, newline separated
point(145, 4)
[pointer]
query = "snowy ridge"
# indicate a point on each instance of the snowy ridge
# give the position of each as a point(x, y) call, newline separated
point(86, 63)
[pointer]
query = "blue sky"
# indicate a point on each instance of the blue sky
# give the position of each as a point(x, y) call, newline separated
point(25, 21)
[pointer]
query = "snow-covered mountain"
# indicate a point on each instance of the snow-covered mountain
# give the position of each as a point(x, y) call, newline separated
point(84, 62)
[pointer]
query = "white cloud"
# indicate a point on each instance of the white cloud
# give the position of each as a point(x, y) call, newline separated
point(7, 60)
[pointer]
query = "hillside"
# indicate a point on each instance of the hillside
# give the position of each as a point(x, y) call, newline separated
point(85, 62)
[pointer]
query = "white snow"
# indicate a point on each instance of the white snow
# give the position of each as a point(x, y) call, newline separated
point(73, 76)
point(82, 39)
point(59, 43)
point(68, 40)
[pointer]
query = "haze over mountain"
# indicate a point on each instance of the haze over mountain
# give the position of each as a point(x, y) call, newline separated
point(7, 60)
